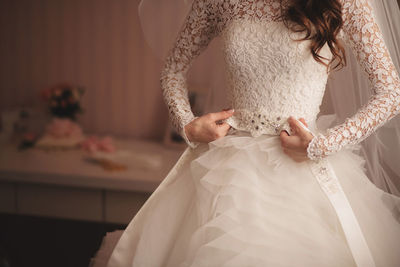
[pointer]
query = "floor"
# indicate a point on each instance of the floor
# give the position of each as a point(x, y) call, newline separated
point(34, 241)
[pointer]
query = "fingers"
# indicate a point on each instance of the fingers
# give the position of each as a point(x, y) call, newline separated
point(291, 142)
point(296, 155)
point(221, 130)
point(284, 137)
point(298, 128)
point(222, 115)
point(224, 127)
point(295, 145)
point(283, 134)
point(303, 121)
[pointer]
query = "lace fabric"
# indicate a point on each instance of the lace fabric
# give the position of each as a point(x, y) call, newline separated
point(363, 36)
point(253, 38)
point(193, 38)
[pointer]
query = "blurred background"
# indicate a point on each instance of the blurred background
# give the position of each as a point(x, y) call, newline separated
point(97, 44)
point(57, 197)
point(85, 136)
point(84, 130)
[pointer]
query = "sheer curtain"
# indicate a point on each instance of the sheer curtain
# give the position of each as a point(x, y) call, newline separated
point(349, 88)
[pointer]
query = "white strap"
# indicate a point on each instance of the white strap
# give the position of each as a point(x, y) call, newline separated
point(332, 188)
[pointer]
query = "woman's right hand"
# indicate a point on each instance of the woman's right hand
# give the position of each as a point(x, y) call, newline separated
point(208, 128)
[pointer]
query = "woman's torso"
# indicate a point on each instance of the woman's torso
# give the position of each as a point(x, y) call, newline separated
point(271, 75)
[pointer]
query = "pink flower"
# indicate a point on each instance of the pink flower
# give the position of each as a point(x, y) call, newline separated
point(93, 144)
point(90, 144)
point(106, 144)
point(57, 91)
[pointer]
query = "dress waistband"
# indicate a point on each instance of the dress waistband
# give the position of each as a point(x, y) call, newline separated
point(259, 122)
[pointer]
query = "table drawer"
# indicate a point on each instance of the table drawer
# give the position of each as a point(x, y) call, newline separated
point(120, 207)
point(7, 198)
point(62, 202)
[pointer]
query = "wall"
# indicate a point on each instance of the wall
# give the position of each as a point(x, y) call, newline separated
point(94, 43)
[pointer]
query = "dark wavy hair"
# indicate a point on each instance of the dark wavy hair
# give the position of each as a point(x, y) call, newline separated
point(321, 20)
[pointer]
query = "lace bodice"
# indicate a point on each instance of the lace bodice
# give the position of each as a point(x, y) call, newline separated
point(272, 76)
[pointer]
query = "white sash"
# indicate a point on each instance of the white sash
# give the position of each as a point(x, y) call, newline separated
point(329, 183)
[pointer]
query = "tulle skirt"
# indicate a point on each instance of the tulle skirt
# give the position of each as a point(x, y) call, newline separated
point(240, 201)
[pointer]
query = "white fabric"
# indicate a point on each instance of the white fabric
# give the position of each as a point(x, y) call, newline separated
point(270, 76)
point(329, 182)
point(239, 201)
point(107, 246)
point(349, 89)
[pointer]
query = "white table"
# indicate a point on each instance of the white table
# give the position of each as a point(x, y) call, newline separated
point(63, 184)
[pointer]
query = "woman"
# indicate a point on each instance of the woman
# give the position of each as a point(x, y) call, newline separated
point(260, 185)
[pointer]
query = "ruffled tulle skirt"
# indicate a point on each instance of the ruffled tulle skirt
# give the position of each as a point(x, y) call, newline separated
point(240, 201)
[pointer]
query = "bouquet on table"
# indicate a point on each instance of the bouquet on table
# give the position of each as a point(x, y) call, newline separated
point(63, 132)
point(63, 103)
point(63, 100)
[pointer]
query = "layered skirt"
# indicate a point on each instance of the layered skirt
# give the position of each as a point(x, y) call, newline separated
point(240, 201)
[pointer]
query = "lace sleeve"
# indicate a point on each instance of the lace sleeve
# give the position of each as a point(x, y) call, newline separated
point(194, 36)
point(362, 34)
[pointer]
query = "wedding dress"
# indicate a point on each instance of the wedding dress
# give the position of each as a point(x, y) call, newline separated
point(239, 200)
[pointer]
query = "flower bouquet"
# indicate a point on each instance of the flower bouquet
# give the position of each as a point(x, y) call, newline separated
point(63, 103)
point(63, 100)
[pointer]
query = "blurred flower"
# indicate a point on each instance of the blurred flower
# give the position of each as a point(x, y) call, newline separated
point(76, 94)
point(93, 144)
point(57, 92)
point(63, 100)
point(90, 144)
point(106, 144)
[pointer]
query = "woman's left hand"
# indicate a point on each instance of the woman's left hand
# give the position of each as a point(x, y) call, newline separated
point(295, 145)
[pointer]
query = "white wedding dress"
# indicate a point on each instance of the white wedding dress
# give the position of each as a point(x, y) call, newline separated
point(239, 200)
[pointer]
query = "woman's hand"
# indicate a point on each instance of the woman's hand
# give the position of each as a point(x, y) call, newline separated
point(295, 145)
point(208, 128)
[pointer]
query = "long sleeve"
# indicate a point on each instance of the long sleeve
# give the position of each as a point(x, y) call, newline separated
point(362, 34)
point(196, 33)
